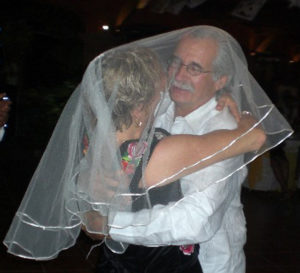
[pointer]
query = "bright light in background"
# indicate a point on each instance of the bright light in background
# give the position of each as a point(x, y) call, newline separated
point(105, 27)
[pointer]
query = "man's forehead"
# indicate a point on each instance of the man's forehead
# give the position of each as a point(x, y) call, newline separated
point(194, 42)
point(194, 48)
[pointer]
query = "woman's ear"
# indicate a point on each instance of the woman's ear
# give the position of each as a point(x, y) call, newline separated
point(220, 83)
point(139, 115)
point(138, 112)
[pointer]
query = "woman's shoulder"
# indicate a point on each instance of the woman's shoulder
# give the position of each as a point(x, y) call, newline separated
point(159, 134)
point(159, 147)
point(161, 163)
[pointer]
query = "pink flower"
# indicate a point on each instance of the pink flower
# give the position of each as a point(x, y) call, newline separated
point(187, 249)
point(136, 150)
point(130, 168)
point(124, 165)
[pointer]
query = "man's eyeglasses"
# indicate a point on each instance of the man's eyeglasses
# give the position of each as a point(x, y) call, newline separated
point(193, 69)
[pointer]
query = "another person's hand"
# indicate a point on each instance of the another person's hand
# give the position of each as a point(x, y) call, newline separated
point(4, 109)
point(227, 100)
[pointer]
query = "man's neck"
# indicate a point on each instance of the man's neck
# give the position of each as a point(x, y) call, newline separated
point(184, 111)
point(180, 111)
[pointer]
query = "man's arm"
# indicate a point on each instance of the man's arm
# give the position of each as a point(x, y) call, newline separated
point(194, 219)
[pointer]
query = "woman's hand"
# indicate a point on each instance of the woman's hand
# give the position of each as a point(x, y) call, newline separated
point(227, 100)
point(246, 121)
point(257, 136)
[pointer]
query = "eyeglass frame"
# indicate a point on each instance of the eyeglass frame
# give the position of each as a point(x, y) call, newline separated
point(178, 65)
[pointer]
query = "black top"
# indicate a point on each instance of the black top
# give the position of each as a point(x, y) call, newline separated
point(141, 259)
point(158, 195)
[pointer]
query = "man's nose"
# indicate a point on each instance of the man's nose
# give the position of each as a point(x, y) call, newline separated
point(181, 72)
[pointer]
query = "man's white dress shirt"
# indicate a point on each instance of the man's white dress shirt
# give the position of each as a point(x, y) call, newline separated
point(212, 217)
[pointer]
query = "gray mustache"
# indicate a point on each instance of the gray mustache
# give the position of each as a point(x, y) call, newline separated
point(183, 85)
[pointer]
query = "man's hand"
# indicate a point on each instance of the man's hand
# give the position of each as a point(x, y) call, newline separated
point(93, 236)
point(4, 109)
point(227, 100)
point(96, 224)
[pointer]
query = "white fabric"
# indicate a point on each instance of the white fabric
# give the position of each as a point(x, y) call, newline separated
point(1, 133)
point(80, 177)
point(213, 217)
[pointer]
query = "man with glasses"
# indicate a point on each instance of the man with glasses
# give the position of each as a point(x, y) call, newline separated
point(198, 69)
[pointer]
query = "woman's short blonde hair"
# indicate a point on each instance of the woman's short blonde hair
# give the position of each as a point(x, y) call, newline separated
point(134, 75)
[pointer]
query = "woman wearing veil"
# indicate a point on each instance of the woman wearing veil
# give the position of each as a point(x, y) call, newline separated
point(106, 157)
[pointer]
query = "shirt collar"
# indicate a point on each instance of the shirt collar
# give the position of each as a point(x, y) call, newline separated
point(199, 116)
point(166, 119)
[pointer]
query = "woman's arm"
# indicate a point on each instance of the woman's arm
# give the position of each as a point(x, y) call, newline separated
point(173, 153)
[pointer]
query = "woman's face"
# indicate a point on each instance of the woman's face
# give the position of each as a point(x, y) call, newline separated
point(149, 108)
point(160, 87)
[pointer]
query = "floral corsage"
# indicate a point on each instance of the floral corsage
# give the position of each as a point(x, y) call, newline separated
point(132, 157)
point(187, 249)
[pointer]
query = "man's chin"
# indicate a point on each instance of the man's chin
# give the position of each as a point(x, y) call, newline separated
point(179, 94)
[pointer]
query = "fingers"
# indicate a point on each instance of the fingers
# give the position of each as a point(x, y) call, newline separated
point(104, 187)
point(221, 104)
point(227, 101)
point(248, 117)
point(94, 225)
point(93, 236)
point(247, 121)
point(224, 99)
point(235, 112)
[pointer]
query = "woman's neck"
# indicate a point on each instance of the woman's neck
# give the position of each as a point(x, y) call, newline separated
point(133, 132)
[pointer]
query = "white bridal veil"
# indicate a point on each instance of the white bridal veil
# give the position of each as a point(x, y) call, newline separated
point(80, 179)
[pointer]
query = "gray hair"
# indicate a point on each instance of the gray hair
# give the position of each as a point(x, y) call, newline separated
point(223, 64)
point(133, 75)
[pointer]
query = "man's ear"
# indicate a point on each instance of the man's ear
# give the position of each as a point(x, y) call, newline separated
point(220, 83)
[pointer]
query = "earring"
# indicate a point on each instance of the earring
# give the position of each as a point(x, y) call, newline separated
point(138, 123)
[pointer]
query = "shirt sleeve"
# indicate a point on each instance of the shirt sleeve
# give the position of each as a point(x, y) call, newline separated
point(194, 219)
